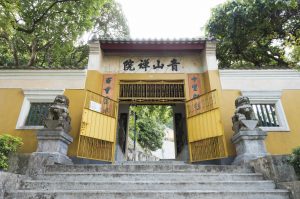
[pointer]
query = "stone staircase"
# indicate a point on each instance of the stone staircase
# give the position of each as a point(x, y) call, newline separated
point(156, 180)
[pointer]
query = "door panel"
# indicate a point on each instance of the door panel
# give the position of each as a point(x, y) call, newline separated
point(96, 123)
point(205, 130)
point(98, 128)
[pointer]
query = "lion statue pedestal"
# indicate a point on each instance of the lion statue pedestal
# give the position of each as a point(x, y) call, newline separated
point(54, 138)
point(248, 138)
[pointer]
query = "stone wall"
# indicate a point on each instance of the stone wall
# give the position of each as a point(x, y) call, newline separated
point(277, 168)
point(18, 163)
point(9, 181)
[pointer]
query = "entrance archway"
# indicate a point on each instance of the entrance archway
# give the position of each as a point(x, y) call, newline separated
point(201, 116)
point(152, 92)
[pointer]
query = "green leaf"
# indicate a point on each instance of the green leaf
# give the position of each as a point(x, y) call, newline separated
point(8, 145)
point(247, 31)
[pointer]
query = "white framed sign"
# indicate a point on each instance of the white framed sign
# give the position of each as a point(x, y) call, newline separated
point(94, 106)
point(151, 65)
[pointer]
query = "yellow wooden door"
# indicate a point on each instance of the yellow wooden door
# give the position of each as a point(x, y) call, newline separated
point(98, 128)
point(205, 130)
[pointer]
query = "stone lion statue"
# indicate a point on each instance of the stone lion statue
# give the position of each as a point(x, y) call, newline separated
point(58, 116)
point(244, 111)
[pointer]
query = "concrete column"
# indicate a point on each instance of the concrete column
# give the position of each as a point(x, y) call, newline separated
point(210, 67)
point(95, 56)
point(210, 60)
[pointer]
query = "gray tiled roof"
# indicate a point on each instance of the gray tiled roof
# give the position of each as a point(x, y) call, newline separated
point(155, 40)
point(246, 67)
point(42, 68)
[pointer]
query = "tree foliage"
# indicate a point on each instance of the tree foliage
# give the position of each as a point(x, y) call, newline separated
point(255, 32)
point(295, 55)
point(112, 22)
point(8, 144)
point(150, 125)
point(294, 160)
point(45, 33)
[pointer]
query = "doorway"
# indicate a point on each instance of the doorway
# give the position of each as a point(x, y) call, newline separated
point(151, 133)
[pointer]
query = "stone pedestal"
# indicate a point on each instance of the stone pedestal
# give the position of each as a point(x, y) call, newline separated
point(52, 149)
point(249, 145)
point(54, 143)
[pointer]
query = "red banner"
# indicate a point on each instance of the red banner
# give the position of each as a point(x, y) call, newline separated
point(194, 85)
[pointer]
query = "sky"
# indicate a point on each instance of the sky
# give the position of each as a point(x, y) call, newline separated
point(167, 18)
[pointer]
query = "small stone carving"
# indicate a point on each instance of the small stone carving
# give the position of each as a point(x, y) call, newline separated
point(58, 116)
point(244, 117)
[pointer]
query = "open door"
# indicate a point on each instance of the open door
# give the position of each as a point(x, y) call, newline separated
point(98, 128)
point(205, 130)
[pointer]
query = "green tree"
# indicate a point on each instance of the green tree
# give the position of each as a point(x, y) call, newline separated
point(294, 160)
point(150, 125)
point(45, 33)
point(150, 135)
point(112, 22)
point(36, 26)
point(255, 32)
point(295, 55)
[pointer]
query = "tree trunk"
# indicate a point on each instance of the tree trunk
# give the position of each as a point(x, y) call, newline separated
point(12, 44)
point(32, 59)
point(15, 53)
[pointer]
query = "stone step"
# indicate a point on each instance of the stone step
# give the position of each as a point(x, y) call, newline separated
point(148, 185)
point(159, 167)
point(78, 194)
point(168, 162)
point(127, 176)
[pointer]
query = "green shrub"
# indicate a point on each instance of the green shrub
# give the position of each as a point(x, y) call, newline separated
point(8, 145)
point(294, 160)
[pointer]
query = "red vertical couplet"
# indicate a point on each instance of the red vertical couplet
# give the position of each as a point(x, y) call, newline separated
point(194, 85)
point(108, 85)
point(108, 89)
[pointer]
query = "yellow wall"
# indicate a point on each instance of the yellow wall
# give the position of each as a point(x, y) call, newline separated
point(206, 83)
point(277, 142)
point(94, 81)
point(76, 107)
point(227, 110)
point(284, 142)
point(11, 101)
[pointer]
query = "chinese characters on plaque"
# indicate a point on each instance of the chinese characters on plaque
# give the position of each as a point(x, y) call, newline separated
point(108, 85)
point(194, 85)
point(151, 65)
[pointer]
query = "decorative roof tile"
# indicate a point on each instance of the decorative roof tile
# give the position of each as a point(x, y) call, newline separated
point(152, 44)
point(154, 40)
point(42, 68)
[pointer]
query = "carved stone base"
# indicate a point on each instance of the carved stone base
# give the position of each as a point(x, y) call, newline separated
point(38, 162)
point(53, 141)
point(249, 145)
point(52, 149)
